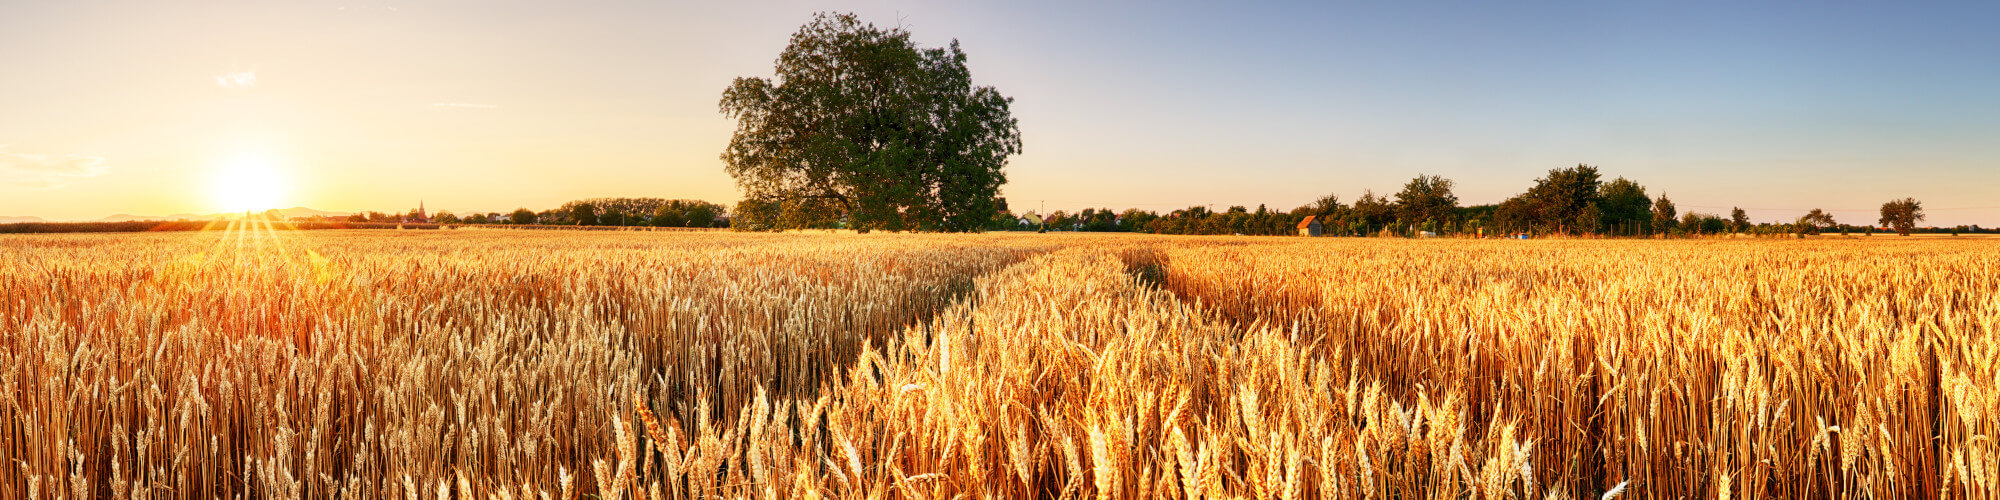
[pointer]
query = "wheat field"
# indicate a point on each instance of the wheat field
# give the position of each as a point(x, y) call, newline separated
point(254, 363)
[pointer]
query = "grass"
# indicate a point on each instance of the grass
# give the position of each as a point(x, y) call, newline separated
point(491, 364)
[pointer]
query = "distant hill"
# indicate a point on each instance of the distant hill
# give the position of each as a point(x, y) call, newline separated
point(5, 219)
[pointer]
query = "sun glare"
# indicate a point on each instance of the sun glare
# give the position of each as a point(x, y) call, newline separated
point(247, 184)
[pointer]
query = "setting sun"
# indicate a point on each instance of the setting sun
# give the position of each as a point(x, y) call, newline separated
point(247, 184)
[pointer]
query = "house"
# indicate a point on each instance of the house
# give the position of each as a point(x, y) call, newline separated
point(1032, 220)
point(1310, 226)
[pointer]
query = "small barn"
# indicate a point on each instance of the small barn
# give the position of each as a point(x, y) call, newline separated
point(1310, 226)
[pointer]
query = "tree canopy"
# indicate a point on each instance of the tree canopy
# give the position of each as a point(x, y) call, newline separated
point(863, 125)
point(1814, 221)
point(1663, 213)
point(1426, 199)
point(1625, 207)
point(1902, 214)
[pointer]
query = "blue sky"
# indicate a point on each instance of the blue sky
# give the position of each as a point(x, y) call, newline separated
point(1778, 107)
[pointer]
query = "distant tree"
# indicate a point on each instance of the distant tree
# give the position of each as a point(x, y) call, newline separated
point(584, 214)
point(1813, 222)
point(1325, 207)
point(1099, 220)
point(357, 217)
point(1371, 212)
point(374, 216)
point(1902, 215)
point(1690, 223)
point(891, 136)
point(476, 218)
point(522, 216)
point(1738, 221)
point(1515, 215)
point(1713, 224)
point(1663, 214)
point(1477, 217)
point(1557, 198)
point(701, 215)
point(1058, 220)
point(445, 217)
point(1133, 219)
point(1426, 199)
point(615, 217)
point(1625, 206)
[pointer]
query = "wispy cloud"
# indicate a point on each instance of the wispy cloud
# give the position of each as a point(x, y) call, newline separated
point(45, 170)
point(463, 105)
point(238, 80)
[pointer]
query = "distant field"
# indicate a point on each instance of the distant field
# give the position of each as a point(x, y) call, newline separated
point(553, 364)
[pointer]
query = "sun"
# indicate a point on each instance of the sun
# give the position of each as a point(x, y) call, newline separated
point(248, 183)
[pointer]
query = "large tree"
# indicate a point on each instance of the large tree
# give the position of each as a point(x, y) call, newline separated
point(1902, 214)
point(1426, 199)
point(887, 134)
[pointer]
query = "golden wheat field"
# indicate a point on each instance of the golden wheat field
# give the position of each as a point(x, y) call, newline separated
point(564, 365)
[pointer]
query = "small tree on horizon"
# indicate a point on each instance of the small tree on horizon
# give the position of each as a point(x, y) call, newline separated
point(1738, 220)
point(584, 214)
point(1426, 199)
point(1813, 222)
point(1624, 206)
point(1663, 214)
point(1902, 215)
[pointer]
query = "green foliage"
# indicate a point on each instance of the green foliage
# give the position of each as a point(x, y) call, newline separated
point(1738, 220)
point(1427, 198)
point(1589, 220)
point(1625, 206)
point(862, 125)
point(1556, 199)
point(1663, 214)
point(1371, 212)
point(1813, 222)
point(584, 214)
point(522, 216)
point(1902, 215)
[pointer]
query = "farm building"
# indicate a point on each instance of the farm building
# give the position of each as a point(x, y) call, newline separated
point(1310, 226)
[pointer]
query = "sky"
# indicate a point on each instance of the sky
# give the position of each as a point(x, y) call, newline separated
point(160, 108)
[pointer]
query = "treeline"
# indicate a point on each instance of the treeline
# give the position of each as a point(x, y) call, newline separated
point(628, 212)
point(1574, 201)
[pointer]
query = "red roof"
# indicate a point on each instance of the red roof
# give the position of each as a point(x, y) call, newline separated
point(1308, 222)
